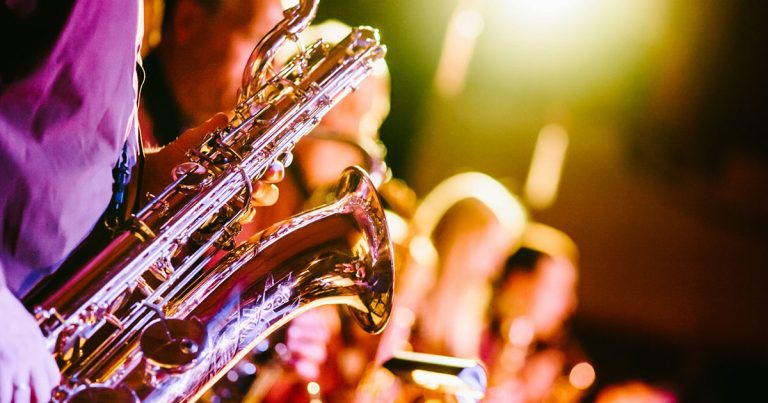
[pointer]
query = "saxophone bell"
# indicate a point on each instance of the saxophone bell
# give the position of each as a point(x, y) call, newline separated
point(340, 253)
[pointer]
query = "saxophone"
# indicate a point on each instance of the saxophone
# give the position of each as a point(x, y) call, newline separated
point(148, 318)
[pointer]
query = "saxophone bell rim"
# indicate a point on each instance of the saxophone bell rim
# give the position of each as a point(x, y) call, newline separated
point(380, 280)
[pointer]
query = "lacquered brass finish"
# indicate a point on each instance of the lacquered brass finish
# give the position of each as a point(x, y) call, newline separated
point(93, 321)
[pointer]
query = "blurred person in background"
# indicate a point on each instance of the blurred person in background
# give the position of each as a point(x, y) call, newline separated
point(471, 243)
point(530, 356)
point(196, 68)
point(460, 234)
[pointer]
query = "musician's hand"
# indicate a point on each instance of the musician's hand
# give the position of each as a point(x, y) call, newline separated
point(160, 164)
point(27, 370)
point(307, 341)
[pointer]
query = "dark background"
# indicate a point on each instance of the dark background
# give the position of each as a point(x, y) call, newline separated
point(665, 182)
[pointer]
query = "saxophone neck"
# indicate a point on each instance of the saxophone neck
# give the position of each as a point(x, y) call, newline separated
point(296, 20)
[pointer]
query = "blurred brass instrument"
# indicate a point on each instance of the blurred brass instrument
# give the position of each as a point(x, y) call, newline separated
point(422, 253)
point(148, 319)
point(465, 380)
point(412, 228)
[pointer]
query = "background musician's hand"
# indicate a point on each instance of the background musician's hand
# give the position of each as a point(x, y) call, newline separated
point(27, 369)
point(307, 341)
point(160, 164)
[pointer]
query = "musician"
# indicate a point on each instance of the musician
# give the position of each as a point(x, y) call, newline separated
point(68, 96)
point(197, 67)
point(67, 112)
point(459, 235)
point(527, 347)
point(471, 242)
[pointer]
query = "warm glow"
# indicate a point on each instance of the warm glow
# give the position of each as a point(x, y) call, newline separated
point(437, 359)
point(398, 227)
point(547, 17)
point(422, 250)
point(465, 26)
point(444, 382)
point(546, 166)
point(582, 375)
point(505, 207)
point(468, 23)
point(313, 388)
point(567, 44)
point(403, 317)
point(521, 332)
point(433, 380)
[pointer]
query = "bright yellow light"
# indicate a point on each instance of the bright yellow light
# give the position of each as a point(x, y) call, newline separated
point(444, 382)
point(568, 44)
point(549, 16)
point(546, 166)
point(468, 23)
point(465, 26)
point(582, 375)
point(313, 388)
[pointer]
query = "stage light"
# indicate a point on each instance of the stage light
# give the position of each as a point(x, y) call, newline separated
point(465, 26)
point(582, 375)
point(548, 17)
point(546, 166)
point(568, 44)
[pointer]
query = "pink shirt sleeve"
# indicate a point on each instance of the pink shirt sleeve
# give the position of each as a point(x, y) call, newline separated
point(62, 129)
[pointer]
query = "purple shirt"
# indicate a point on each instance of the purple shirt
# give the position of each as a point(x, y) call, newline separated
point(62, 129)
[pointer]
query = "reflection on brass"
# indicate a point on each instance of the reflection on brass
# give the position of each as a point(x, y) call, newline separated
point(102, 310)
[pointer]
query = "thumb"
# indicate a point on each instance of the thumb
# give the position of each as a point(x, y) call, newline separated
point(192, 137)
point(159, 165)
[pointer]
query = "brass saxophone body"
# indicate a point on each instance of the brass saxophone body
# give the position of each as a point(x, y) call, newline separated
point(152, 284)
